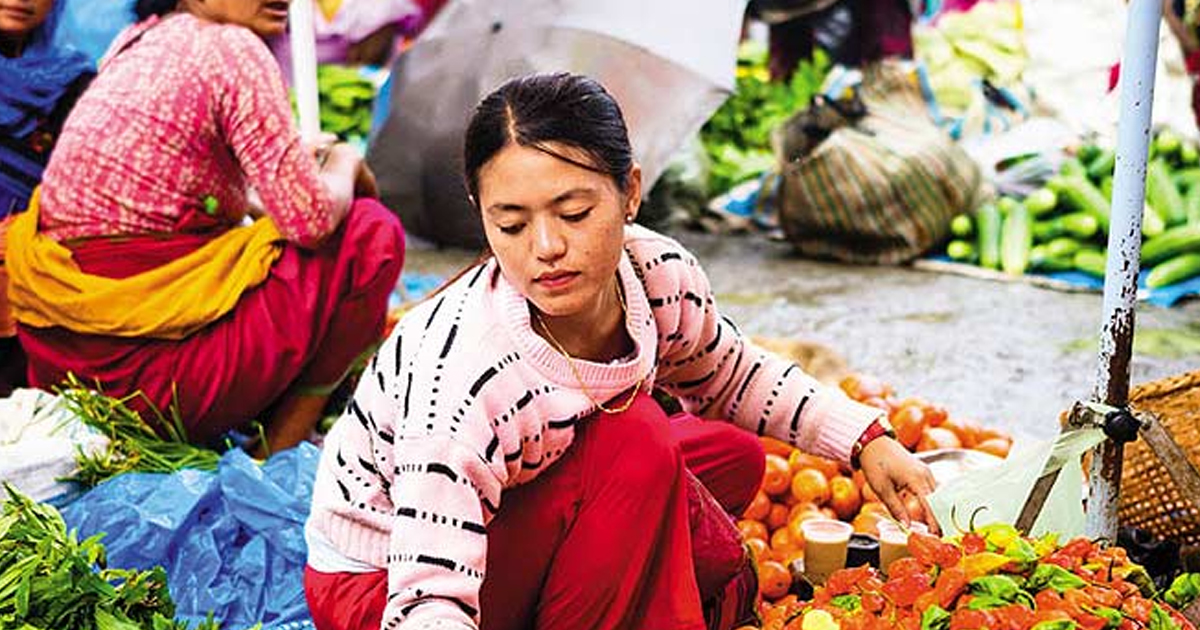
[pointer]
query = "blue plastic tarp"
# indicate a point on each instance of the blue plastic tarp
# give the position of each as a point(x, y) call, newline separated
point(231, 541)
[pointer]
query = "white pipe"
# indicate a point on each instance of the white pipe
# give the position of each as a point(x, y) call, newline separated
point(1138, 63)
point(304, 68)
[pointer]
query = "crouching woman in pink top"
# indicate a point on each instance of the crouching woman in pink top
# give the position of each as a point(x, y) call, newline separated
point(503, 465)
point(149, 186)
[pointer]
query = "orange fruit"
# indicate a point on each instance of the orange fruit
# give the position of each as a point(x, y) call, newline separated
point(759, 508)
point(827, 512)
point(988, 433)
point(844, 497)
point(867, 522)
point(862, 387)
point(774, 580)
point(995, 446)
point(935, 438)
point(909, 423)
point(778, 516)
point(782, 543)
point(810, 486)
point(777, 476)
point(966, 430)
point(773, 446)
point(752, 529)
point(800, 460)
point(759, 549)
point(792, 557)
point(795, 525)
point(801, 508)
point(936, 415)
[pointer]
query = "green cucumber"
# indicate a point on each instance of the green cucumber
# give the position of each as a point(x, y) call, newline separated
point(1177, 269)
point(962, 226)
point(1041, 201)
point(1072, 167)
point(1102, 166)
point(1063, 246)
point(988, 224)
point(1179, 240)
point(1006, 204)
point(1152, 224)
point(1162, 194)
point(1090, 261)
point(1040, 259)
point(1078, 225)
point(1080, 194)
point(1191, 202)
point(1167, 143)
point(1106, 188)
point(1016, 237)
point(1187, 178)
point(1089, 152)
point(1189, 155)
point(961, 251)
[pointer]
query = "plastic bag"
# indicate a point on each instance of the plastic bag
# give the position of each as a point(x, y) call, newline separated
point(231, 541)
point(1003, 489)
point(39, 439)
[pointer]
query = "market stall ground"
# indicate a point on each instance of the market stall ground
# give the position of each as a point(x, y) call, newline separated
point(1010, 355)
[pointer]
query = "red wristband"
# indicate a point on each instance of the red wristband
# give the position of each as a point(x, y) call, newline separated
point(879, 428)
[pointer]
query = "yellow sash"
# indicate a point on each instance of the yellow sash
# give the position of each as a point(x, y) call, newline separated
point(173, 301)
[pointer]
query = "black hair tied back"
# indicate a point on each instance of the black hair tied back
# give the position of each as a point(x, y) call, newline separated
point(146, 8)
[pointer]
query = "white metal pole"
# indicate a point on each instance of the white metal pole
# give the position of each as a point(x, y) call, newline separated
point(304, 68)
point(1124, 252)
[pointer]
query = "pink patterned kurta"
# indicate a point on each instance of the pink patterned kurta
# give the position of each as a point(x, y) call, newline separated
point(191, 111)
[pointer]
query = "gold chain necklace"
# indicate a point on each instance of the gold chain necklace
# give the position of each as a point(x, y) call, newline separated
point(575, 370)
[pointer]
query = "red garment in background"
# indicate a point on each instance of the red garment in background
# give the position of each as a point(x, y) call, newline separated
point(315, 314)
point(603, 533)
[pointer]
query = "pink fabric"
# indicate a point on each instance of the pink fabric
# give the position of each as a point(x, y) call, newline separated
point(465, 401)
point(551, 546)
point(317, 312)
point(188, 110)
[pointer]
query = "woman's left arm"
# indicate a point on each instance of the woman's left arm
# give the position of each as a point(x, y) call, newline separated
point(717, 372)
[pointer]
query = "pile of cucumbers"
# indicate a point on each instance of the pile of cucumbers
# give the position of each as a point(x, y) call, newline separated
point(1063, 226)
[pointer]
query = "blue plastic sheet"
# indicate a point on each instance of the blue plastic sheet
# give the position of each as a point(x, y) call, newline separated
point(231, 541)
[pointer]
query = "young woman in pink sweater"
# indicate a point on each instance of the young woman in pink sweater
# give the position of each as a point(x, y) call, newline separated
point(503, 465)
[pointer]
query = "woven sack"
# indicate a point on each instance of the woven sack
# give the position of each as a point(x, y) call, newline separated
point(878, 183)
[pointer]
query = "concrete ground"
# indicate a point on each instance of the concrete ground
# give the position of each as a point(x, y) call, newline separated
point(1009, 355)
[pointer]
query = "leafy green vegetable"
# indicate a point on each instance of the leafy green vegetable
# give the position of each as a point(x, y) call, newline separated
point(134, 445)
point(51, 581)
point(738, 135)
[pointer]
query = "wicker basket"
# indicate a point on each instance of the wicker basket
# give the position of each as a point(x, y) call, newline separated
point(1149, 499)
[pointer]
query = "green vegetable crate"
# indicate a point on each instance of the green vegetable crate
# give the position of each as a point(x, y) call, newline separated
point(1064, 225)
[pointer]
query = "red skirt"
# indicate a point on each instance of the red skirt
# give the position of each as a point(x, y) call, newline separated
point(301, 329)
point(623, 532)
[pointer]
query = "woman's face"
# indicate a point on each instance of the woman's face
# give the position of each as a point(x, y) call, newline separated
point(556, 229)
point(18, 18)
point(267, 18)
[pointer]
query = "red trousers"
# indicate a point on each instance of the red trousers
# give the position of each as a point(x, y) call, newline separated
point(302, 328)
point(604, 538)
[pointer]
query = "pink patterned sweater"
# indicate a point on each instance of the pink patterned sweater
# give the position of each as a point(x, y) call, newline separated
point(464, 401)
point(191, 110)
